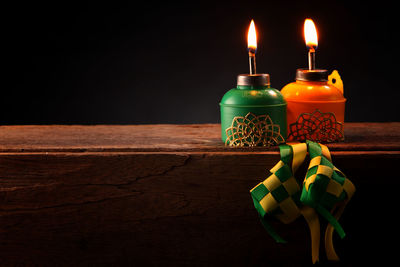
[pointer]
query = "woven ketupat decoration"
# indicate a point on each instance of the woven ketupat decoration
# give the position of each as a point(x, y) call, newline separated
point(327, 190)
point(279, 194)
point(281, 197)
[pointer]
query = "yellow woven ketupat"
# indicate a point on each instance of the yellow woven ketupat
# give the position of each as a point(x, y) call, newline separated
point(281, 197)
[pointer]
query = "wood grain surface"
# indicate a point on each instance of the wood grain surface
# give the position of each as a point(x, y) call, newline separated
point(174, 195)
point(169, 137)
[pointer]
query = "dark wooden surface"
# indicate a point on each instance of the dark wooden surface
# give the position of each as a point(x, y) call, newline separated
point(169, 138)
point(174, 195)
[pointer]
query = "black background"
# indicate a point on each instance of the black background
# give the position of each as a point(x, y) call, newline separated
point(165, 62)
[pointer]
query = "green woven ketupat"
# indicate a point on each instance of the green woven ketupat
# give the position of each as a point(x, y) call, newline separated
point(279, 195)
point(325, 191)
point(325, 186)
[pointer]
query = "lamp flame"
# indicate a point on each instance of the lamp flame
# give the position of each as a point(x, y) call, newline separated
point(310, 34)
point(252, 37)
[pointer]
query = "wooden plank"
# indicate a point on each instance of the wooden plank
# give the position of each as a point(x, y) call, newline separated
point(195, 137)
point(79, 209)
point(128, 195)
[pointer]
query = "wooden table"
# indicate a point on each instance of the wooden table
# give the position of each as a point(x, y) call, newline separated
point(175, 195)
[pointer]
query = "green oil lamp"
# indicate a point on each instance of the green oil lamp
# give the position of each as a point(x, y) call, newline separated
point(253, 113)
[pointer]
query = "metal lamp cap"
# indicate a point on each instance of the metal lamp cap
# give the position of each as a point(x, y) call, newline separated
point(261, 79)
point(307, 75)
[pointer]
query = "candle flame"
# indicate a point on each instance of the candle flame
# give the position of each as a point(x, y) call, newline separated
point(310, 34)
point(252, 37)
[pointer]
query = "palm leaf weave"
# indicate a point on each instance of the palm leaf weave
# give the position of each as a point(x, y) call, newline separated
point(325, 191)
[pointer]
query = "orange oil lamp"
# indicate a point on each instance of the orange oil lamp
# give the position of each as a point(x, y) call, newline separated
point(315, 102)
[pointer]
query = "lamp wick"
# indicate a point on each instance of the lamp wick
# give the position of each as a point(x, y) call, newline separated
point(252, 61)
point(311, 58)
